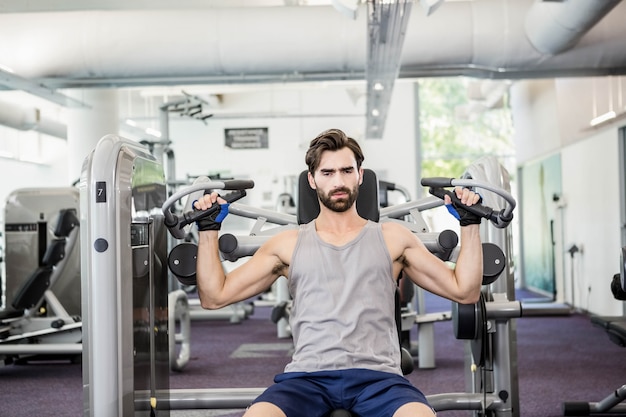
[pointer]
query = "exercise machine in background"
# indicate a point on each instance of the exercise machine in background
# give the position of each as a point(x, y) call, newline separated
point(41, 317)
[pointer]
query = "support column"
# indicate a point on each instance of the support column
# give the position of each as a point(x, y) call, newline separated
point(86, 127)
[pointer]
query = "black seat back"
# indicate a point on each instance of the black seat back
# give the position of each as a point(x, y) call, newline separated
point(32, 292)
point(55, 252)
point(367, 206)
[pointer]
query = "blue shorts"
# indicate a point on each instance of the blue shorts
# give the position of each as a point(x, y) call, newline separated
point(364, 392)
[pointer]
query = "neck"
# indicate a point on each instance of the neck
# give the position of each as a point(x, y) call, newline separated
point(338, 222)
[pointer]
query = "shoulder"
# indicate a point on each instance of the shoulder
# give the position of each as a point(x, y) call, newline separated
point(285, 237)
point(395, 230)
point(281, 244)
point(398, 238)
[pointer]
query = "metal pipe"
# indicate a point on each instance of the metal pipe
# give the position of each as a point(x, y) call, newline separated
point(503, 309)
point(463, 401)
point(41, 349)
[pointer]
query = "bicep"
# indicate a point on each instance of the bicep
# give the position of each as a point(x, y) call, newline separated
point(255, 275)
point(426, 270)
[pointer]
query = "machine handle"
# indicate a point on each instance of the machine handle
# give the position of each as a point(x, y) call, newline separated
point(237, 184)
point(195, 215)
point(173, 222)
point(500, 219)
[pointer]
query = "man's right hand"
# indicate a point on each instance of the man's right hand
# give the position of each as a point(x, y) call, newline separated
point(214, 220)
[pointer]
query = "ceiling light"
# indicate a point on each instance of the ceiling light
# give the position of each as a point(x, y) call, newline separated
point(5, 68)
point(153, 132)
point(603, 118)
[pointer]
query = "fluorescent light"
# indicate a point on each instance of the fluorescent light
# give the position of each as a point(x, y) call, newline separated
point(153, 132)
point(6, 69)
point(603, 118)
point(131, 122)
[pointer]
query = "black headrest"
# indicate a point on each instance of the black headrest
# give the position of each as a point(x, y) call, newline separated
point(366, 204)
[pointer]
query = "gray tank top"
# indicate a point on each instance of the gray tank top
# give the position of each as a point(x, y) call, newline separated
point(343, 312)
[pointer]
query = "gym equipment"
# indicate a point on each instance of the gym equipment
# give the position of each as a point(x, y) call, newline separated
point(233, 248)
point(494, 385)
point(497, 310)
point(234, 313)
point(615, 327)
point(30, 218)
point(38, 324)
point(124, 281)
point(125, 354)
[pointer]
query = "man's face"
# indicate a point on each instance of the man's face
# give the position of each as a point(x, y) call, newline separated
point(337, 180)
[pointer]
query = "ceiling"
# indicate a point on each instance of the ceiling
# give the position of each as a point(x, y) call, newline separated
point(47, 46)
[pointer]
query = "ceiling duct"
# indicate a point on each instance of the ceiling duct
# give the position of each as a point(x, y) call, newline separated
point(386, 27)
point(30, 119)
point(485, 38)
point(15, 82)
point(555, 26)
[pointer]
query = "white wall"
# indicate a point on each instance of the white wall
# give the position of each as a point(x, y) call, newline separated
point(395, 156)
point(535, 115)
point(553, 116)
point(18, 174)
point(592, 221)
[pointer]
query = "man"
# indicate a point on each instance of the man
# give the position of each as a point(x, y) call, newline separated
point(341, 271)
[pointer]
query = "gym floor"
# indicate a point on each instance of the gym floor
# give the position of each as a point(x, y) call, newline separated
point(560, 358)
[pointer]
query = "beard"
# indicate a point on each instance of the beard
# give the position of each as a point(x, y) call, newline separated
point(341, 204)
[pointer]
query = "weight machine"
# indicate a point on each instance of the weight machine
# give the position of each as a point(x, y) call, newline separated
point(124, 217)
point(42, 316)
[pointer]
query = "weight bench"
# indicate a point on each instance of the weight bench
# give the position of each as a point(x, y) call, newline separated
point(615, 327)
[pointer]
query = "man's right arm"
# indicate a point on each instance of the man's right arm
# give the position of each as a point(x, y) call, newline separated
point(218, 289)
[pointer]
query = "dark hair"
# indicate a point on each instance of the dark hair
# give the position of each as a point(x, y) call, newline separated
point(331, 140)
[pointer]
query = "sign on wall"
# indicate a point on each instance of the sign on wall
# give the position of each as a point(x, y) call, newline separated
point(246, 138)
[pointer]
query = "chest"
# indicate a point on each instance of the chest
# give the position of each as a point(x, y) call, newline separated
point(338, 239)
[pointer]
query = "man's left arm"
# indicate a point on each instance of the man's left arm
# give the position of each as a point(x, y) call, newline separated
point(461, 284)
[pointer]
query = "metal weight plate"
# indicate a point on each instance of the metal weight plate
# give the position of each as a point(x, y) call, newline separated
point(464, 321)
point(469, 322)
point(182, 262)
point(494, 262)
point(480, 344)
